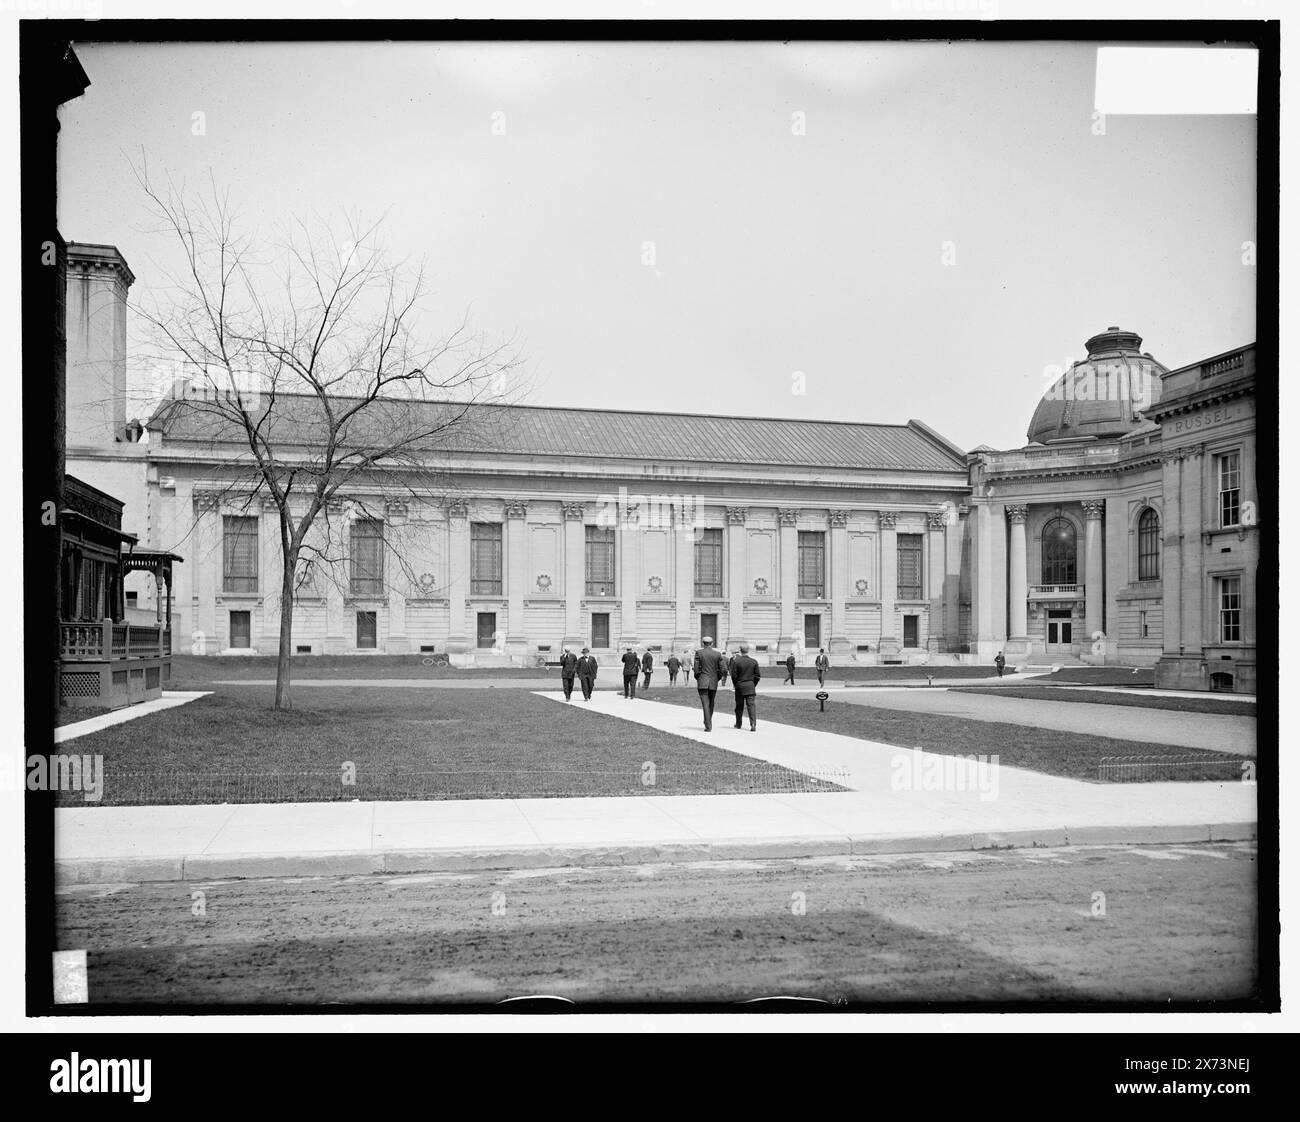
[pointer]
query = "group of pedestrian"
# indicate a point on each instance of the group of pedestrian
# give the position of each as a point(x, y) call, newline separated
point(709, 667)
point(632, 665)
point(583, 669)
point(821, 664)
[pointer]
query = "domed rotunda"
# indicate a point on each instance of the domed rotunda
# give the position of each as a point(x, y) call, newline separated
point(1103, 395)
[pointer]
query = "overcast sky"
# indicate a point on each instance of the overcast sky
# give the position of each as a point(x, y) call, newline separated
point(918, 229)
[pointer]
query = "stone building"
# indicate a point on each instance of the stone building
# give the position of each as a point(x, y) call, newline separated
point(1123, 531)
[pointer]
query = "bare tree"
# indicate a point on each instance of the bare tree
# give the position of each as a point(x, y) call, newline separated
point(302, 358)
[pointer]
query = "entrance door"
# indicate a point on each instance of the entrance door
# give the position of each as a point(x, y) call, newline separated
point(599, 629)
point(1058, 630)
point(812, 632)
point(709, 626)
point(367, 631)
point(487, 629)
point(911, 630)
point(241, 629)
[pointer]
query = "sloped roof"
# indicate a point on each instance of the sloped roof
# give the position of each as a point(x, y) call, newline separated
point(597, 433)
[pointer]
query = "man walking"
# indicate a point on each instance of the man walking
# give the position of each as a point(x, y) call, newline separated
point(789, 670)
point(587, 673)
point(999, 662)
point(709, 670)
point(744, 680)
point(631, 664)
point(674, 664)
point(647, 666)
point(568, 668)
point(823, 664)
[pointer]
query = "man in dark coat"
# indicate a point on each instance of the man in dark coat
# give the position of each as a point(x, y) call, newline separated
point(568, 668)
point(709, 670)
point(587, 673)
point(674, 664)
point(999, 662)
point(744, 680)
point(823, 664)
point(647, 667)
point(631, 664)
point(789, 669)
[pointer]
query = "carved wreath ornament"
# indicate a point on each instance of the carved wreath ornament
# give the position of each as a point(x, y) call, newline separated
point(760, 586)
point(861, 586)
point(656, 584)
point(427, 581)
point(544, 582)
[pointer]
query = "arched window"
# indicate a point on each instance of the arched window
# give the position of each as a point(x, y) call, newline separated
point(1149, 545)
point(1059, 552)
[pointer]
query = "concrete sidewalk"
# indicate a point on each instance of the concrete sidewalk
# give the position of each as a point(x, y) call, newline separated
point(892, 807)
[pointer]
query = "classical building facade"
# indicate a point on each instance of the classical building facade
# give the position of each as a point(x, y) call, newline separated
point(1125, 530)
point(1121, 532)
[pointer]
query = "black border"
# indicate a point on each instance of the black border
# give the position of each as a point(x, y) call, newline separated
point(39, 213)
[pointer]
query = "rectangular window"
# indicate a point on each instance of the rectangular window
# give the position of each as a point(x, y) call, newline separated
point(485, 558)
point(239, 566)
point(1230, 609)
point(600, 561)
point(367, 557)
point(812, 564)
point(708, 564)
point(1142, 624)
point(909, 566)
point(1230, 489)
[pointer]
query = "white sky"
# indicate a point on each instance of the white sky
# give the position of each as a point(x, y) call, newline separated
point(774, 253)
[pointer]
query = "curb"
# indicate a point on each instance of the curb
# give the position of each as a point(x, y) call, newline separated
point(203, 867)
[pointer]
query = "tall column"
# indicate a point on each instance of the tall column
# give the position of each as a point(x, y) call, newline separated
point(889, 641)
point(957, 524)
point(737, 560)
point(1195, 517)
point(684, 523)
point(788, 520)
point(395, 642)
point(340, 633)
point(1018, 594)
point(936, 590)
point(838, 641)
point(207, 578)
point(575, 573)
point(269, 575)
point(516, 575)
point(1094, 510)
point(629, 575)
point(458, 641)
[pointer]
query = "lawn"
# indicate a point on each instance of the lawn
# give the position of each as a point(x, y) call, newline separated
point(1225, 705)
point(405, 744)
point(1103, 676)
point(1072, 755)
point(190, 672)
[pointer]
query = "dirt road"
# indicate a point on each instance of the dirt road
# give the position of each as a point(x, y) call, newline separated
point(1150, 923)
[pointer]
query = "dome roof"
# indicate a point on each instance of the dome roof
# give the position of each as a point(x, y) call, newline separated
point(1101, 396)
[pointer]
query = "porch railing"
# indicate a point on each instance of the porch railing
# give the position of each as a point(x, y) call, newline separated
point(109, 640)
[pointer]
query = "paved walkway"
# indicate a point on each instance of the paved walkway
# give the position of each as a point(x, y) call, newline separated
point(900, 801)
point(169, 700)
point(1214, 732)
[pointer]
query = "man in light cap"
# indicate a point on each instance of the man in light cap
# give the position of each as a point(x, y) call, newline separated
point(709, 670)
